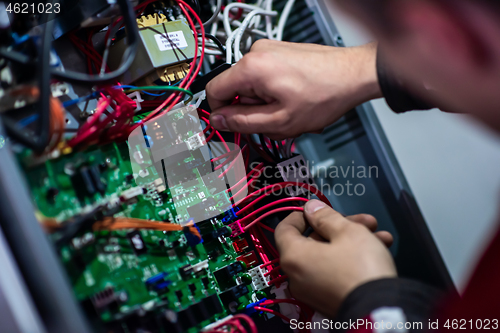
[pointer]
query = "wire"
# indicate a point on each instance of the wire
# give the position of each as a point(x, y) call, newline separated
point(269, 205)
point(71, 228)
point(15, 56)
point(261, 193)
point(271, 262)
point(215, 14)
point(274, 211)
point(216, 41)
point(128, 55)
point(118, 223)
point(40, 142)
point(153, 88)
point(264, 146)
point(275, 149)
point(244, 25)
point(283, 19)
point(276, 313)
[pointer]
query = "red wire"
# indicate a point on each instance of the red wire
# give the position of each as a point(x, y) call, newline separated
point(278, 280)
point(276, 313)
point(274, 261)
point(274, 211)
point(269, 205)
point(222, 140)
point(250, 174)
point(280, 186)
point(275, 269)
point(232, 163)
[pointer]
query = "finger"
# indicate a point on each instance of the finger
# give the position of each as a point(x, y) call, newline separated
point(314, 235)
point(289, 232)
point(239, 80)
point(385, 237)
point(222, 89)
point(367, 220)
point(251, 101)
point(247, 119)
point(323, 219)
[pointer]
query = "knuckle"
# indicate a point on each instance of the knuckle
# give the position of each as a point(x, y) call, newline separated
point(322, 221)
point(253, 63)
point(260, 44)
point(237, 121)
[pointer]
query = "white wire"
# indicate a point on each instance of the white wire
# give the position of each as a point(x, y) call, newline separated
point(217, 10)
point(253, 31)
point(241, 30)
point(283, 18)
point(229, 48)
point(212, 52)
point(225, 19)
point(269, 28)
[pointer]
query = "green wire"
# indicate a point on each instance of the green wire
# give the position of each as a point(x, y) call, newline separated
point(161, 88)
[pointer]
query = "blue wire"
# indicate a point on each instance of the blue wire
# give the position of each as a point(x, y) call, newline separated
point(28, 120)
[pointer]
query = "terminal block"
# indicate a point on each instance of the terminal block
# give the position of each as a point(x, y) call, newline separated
point(296, 169)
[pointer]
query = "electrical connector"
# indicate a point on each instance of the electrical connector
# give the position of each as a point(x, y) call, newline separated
point(295, 170)
point(236, 228)
point(259, 281)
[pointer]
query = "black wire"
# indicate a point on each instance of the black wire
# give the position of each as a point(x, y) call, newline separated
point(14, 56)
point(129, 54)
point(80, 223)
point(215, 40)
point(39, 143)
point(264, 146)
point(274, 145)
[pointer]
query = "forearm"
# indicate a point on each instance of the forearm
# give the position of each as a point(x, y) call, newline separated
point(391, 300)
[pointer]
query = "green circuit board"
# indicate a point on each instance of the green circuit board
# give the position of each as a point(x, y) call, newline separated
point(120, 274)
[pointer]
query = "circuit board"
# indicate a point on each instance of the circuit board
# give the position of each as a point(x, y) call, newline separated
point(183, 283)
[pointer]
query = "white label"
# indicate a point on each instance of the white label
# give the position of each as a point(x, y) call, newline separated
point(175, 40)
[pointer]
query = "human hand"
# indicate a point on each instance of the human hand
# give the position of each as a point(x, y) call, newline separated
point(338, 257)
point(286, 89)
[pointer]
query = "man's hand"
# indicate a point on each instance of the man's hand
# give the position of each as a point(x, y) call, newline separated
point(339, 256)
point(286, 89)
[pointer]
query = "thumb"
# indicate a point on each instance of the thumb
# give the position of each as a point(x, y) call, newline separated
point(323, 219)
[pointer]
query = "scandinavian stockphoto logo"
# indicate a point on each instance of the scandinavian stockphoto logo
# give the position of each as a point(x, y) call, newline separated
point(171, 158)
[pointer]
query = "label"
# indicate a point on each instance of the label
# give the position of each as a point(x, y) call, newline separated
point(175, 40)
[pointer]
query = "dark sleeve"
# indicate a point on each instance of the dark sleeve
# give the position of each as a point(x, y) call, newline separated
point(400, 299)
point(397, 96)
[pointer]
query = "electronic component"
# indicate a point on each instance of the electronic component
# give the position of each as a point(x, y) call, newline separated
point(250, 259)
point(226, 276)
point(259, 280)
point(158, 283)
point(107, 298)
point(233, 294)
point(240, 245)
point(163, 51)
point(137, 242)
point(295, 170)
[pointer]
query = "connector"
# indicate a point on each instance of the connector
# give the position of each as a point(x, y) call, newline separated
point(250, 308)
point(236, 228)
point(295, 170)
point(259, 281)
